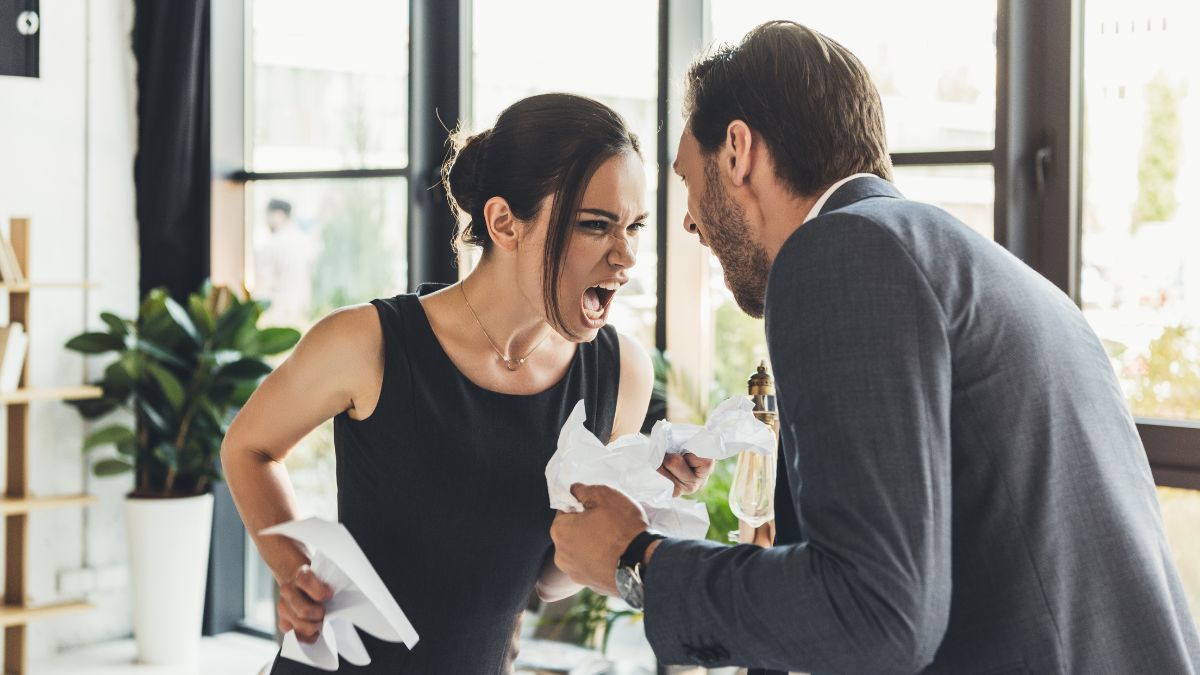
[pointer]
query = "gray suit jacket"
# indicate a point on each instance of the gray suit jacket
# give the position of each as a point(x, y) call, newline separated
point(971, 491)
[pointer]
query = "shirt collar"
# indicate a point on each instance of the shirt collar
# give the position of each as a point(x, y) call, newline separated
point(816, 209)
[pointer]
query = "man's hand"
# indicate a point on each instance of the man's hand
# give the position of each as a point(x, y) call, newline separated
point(687, 471)
point(588, 545)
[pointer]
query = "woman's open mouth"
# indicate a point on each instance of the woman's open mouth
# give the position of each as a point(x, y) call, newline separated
point(597, 299)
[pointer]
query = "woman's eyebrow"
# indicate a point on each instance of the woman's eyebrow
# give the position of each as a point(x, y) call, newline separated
point(610, 215)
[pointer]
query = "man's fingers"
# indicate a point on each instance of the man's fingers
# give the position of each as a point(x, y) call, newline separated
point(587, 494)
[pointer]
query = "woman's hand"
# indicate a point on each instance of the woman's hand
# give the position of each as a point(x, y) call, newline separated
point(688, 472)
point(302, 604)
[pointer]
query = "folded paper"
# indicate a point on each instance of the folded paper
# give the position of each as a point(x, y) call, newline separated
point(630, 463)
point(360, 598)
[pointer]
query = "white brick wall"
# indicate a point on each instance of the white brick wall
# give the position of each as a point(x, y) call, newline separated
point(67, 144)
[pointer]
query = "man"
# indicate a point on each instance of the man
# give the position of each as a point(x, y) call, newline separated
point(284, 263)
point(968, 488)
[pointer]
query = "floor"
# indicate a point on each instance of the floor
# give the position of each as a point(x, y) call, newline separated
point(228, 654)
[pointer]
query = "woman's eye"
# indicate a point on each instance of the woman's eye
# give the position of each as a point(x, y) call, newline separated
point(637, 227)
point(599, 225)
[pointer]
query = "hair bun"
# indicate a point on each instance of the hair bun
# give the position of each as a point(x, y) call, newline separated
point(462, 171)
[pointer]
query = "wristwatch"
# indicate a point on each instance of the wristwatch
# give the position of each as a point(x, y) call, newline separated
point(630, 569)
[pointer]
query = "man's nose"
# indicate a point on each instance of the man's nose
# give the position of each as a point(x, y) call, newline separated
point(689, 223)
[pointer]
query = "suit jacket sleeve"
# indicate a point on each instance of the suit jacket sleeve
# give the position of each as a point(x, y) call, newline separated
point(859, 346)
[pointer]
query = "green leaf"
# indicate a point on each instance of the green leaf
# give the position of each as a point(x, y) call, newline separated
point(128, 448)
point(167, 454)
point(154, 417)
point(95, 343)
point(203, 318)
point(111, 467)
point(183, 321)
point(168, 383)
point(241, 393)
point(275, 340)
point(161, 353)
point(116, 325)
point(94, 408)
point(115, 434)
point(232, 321)
point(243, 369)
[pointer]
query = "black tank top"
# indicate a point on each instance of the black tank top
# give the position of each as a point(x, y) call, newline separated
point(444, 488)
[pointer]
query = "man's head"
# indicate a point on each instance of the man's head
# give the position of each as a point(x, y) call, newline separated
point(279, 212)
point(771, 123)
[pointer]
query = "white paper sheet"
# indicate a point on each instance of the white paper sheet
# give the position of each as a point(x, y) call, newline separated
point(360, 598)
point(630, 463)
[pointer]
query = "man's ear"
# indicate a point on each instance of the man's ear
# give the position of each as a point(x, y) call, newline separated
point(739, 144)
point(501, 223)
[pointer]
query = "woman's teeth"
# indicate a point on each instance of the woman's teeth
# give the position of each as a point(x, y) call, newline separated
point(596, 299)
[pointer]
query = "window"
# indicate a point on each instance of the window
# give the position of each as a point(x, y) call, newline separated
point(326, 105)
point(1140, 275)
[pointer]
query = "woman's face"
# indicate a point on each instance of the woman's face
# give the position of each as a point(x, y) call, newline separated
point(602, 250)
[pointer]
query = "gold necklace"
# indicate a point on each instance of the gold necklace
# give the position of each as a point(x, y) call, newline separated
point(510, 363)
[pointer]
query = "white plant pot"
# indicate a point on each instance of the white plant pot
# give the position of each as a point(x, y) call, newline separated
point(168, 566)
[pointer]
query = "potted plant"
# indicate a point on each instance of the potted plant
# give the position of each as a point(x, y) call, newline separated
point(182, 374)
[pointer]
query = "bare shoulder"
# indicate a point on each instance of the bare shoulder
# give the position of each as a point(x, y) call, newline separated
point(636, 386)
point(345, 349)
point(635, 361)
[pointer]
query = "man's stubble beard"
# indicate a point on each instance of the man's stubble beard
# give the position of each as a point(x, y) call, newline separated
point(744, 262)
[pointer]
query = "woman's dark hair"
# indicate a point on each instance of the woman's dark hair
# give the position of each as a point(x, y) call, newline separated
point(809, 97)
point(550, 144)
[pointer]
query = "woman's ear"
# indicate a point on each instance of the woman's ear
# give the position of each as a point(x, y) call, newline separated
point(501, 223)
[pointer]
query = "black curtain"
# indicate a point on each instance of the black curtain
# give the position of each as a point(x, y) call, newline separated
point(172, 171)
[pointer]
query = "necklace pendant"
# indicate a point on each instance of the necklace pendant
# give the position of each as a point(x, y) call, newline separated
point(513, 364)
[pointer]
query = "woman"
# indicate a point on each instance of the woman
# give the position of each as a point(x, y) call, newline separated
point(447, 404)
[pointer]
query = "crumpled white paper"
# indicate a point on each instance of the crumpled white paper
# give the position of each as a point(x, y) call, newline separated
point(360, 598)
point(630, 463)
point(731, 428)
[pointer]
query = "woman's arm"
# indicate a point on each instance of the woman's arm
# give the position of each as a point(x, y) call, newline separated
point(633, 398)
point(337, 366)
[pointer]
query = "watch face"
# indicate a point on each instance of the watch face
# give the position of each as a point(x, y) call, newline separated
point(629, 585)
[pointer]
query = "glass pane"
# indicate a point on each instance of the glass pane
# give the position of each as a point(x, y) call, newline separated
point(321, 244)
point(1140, 275)
point(968, 192)
point(329, 85)
point(509, 63)
point(938, 85)
point(1181, 516)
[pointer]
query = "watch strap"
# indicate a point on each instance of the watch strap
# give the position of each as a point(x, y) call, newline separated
point(632, 557)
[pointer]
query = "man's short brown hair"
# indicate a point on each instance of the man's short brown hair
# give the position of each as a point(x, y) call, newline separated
point(809, 98)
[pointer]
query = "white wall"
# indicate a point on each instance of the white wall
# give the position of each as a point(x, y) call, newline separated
point(67, 143)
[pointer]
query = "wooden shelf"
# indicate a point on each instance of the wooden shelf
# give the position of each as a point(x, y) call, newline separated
point(27, 394)
point(26, 286)
point(14, 505)
point(11, 615)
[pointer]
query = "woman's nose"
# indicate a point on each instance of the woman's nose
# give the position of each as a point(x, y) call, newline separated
point(623, 252)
